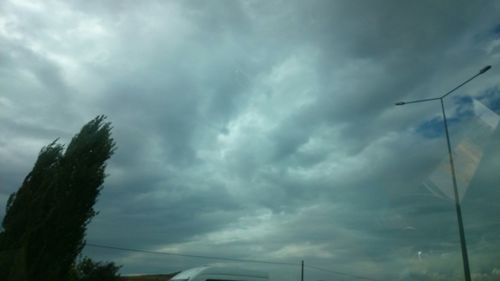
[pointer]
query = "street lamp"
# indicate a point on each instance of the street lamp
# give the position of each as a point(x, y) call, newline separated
point(452, 166)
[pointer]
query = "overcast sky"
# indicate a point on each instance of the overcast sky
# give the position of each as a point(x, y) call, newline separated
point(267, 130)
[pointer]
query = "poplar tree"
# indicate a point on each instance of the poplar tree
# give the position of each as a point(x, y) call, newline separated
point(46, 219)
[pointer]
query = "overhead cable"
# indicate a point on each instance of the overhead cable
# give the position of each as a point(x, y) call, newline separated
point(188, 255)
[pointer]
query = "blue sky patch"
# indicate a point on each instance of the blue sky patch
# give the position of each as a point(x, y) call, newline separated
point(434, 127)
point(491, 99)
point(496, 30)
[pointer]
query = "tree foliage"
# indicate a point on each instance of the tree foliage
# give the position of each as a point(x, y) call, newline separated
point(45, 221)
point(88, 270)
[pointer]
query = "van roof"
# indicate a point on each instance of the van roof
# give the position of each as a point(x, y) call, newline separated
point(219, 270)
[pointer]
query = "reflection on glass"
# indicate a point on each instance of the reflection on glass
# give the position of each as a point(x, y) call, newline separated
point(467, 154)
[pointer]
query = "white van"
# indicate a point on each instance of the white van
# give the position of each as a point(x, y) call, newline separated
point(216, 273)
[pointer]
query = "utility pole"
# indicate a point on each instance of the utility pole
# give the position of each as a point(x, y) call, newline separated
point(302, 271)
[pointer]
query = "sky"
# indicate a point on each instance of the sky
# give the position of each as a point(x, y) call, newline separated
point(266, 130)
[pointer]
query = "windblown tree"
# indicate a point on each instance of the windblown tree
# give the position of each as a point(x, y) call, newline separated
point(89, 270)
point(46, 219)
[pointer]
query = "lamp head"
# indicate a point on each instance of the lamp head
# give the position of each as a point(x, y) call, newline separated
point(484, 69)
point(400, 103)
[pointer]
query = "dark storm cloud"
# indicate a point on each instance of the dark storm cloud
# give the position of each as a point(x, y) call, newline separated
point(26, 77)
point(161, 219)
point(261, 129)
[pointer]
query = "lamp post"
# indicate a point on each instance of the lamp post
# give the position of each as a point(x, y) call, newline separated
point(461, 232)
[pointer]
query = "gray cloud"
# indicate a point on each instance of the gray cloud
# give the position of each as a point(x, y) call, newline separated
point(259, 129)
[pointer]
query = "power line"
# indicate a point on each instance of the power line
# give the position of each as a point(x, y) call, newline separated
point(226, 259)
point(342, 273)
point(187, 255)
